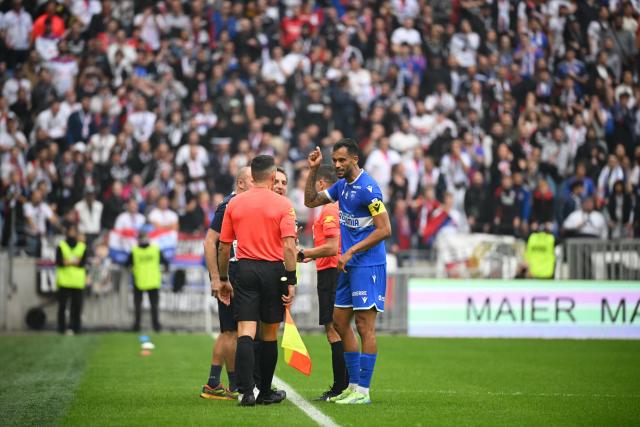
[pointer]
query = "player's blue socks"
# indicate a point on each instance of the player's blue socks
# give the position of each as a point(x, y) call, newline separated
point(352, 360)
point(367, 363)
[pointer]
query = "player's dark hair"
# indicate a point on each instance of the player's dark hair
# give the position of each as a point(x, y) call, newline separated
point(327, 174)
point(349, 144)
point(282, 171)
point(261, 167)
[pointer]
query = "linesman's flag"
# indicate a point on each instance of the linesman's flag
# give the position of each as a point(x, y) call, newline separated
point(295, 352)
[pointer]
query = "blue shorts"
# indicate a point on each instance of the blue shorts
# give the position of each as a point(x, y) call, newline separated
point(362, 288)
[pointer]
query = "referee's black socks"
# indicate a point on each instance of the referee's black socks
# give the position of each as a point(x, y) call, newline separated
point(257, 349)
point(244, 364)
point(268, 361)
point(340, 375)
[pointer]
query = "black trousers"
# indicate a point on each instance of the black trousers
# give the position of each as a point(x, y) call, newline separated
point(154, 299)
point(76, 297)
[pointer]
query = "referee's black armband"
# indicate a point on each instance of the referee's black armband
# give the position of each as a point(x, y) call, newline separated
point(292, 278)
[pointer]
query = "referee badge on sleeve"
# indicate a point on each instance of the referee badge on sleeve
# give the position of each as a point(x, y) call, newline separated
point(376, 207)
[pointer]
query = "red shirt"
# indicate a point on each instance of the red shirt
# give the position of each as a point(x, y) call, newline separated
point(259, 219)
point(327, 225)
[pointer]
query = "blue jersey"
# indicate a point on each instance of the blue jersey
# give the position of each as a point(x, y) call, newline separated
point(359, 202)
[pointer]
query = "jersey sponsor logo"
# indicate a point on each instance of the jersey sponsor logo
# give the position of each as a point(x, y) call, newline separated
point(329, 218)
point(370, 188)
point(374, 277)
point(364, 299)
point(350, 221)
point(376, 207)
point(357, 187)
point(380, 298)
point(359, 293)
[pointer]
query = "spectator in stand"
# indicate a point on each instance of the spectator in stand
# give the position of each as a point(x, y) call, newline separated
point(477, 205)
point(542, 211)
point(17, 27)
point(610, 174)
point(38, 215)
point(162, 216)
point(401, 230)
point(131, 219)
point(573, 201)
point(113, 206)
point(619, 212)
point(506, 209)
point(89, 214)
point(81, 125)
point(586, 222)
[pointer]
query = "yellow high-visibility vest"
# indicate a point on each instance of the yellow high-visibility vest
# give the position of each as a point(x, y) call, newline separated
point(146, 267)
point(71, 276)
point(540, 255)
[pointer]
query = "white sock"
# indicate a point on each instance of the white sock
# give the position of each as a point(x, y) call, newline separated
point(353, 386)
point(363, 390)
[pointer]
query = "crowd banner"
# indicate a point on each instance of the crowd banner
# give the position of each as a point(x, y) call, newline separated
point(523, 309)
point(478, 255)
point(122, 240)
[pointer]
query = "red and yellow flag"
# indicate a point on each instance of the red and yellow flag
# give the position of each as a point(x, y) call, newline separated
point(295, 352)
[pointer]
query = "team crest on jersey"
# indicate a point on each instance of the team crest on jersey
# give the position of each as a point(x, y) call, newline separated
point(329, 218)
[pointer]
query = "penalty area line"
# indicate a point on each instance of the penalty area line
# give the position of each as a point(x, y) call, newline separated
point(302, 404)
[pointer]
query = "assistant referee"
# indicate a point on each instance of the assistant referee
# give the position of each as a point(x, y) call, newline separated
point(263, 223)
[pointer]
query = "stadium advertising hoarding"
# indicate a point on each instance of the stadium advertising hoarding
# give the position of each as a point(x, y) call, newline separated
point(524, 309)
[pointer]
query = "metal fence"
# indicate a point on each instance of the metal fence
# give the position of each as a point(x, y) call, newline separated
point(595, 259)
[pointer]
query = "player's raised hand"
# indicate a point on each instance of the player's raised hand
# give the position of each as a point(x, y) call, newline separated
point(315, 158)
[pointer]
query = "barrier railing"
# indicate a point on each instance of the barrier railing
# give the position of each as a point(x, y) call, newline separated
point(595, 259)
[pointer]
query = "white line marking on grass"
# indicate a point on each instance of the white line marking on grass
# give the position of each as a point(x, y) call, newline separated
point(512, 393)
point(306, 407)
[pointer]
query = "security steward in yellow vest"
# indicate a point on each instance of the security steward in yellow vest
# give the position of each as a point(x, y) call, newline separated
point(540, 255)
point(145, 260)
point(71, 258)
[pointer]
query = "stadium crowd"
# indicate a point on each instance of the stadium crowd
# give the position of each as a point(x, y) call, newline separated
point(498, 116)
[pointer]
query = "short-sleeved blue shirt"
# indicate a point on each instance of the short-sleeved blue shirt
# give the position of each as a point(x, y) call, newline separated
point(359, 202)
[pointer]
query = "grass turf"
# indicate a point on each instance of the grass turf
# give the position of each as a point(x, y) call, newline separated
point(416, 382)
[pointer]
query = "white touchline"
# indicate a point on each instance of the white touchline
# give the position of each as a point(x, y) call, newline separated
point(306, 407)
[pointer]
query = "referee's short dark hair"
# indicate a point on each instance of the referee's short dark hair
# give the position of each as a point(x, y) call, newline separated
point(327, 174)
point(282, 171)
point(262, 166)
point(349, 144)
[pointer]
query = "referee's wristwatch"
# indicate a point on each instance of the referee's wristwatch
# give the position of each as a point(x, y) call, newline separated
point(224, 278)
point(301, 256)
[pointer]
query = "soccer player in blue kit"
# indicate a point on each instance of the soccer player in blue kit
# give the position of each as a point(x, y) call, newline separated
point(364, 225)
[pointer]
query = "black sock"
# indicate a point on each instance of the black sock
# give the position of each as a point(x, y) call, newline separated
point(268, 361)
point(257, 377)
point(340, 375)
point(244, 364)
point(214, 376)
point(233, 386)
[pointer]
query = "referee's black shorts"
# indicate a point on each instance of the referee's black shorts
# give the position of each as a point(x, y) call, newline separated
point(258, 291)
point(228, 322)
point(327, 282)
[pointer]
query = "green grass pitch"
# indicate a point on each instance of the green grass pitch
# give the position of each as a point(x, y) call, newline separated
point(94, 380)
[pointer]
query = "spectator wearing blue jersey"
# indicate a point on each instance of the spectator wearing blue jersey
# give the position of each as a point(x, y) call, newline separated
point(361, 290)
